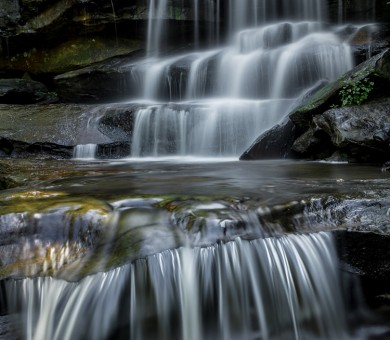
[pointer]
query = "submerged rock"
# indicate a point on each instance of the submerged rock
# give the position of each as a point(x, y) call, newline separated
point(47, 231)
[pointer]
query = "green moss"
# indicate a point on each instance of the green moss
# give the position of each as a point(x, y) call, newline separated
point(69, 55)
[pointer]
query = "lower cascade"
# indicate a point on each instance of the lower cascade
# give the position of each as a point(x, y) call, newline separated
point(284, 287)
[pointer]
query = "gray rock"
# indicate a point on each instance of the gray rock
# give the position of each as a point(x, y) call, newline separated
point(362, 132)
point(44, 130)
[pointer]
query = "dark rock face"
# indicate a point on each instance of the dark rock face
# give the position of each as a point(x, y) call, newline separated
point(22, 91)
point(117, 123)
point(359, 11)
point(12, 148)
point(367, 256)
point(274, 143)
point(90, 31)
point(357, 133)
point(104, 82)
point(119, 79)
point(361, 133)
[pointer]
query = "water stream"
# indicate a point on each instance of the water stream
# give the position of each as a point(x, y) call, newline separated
point(264, 289)
point(273, 52)
point(206, 103)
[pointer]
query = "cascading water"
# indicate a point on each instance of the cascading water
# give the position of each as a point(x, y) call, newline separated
point(276, 51)
point(85, 151)
point(272, 288)
point(212, 102)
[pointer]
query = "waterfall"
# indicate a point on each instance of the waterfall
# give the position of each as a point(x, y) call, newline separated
point(157, 15)
point(275, 51)
point(286, 287)
point(85, 151)
point(218, 128)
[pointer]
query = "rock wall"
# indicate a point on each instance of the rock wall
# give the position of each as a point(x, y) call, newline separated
point(42, 36)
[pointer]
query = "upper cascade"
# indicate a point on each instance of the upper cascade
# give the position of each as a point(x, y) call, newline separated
point(262, 58)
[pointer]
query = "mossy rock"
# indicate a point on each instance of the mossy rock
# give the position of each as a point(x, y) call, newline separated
point(376, 69)
point(70, 55)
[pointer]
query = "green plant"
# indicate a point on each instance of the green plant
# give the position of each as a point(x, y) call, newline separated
point(355, 93)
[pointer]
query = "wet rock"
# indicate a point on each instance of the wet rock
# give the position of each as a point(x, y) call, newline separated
point(322, 128)
point(113, 150)
point(131, 233)
point(44, 129)
point(366, 40)
point(118, 122)
point(376, 69)
point(46, 231)
point(121, 79)
point(23, 91)
point(10, 328)
point(274, 143)
point(361, 132)
point(108, 81)
point(9, 13)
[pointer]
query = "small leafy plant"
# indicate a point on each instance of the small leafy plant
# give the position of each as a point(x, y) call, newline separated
point(355, 93)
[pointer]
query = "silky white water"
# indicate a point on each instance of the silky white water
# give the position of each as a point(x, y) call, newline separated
point(226, 89)
point(272, 288)
point(85, 151)
point(273, 52)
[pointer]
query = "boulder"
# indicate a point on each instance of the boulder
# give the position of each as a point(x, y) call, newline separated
point(376, 69)
point(360, 132)
point(118, 122)
point(321, 128)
